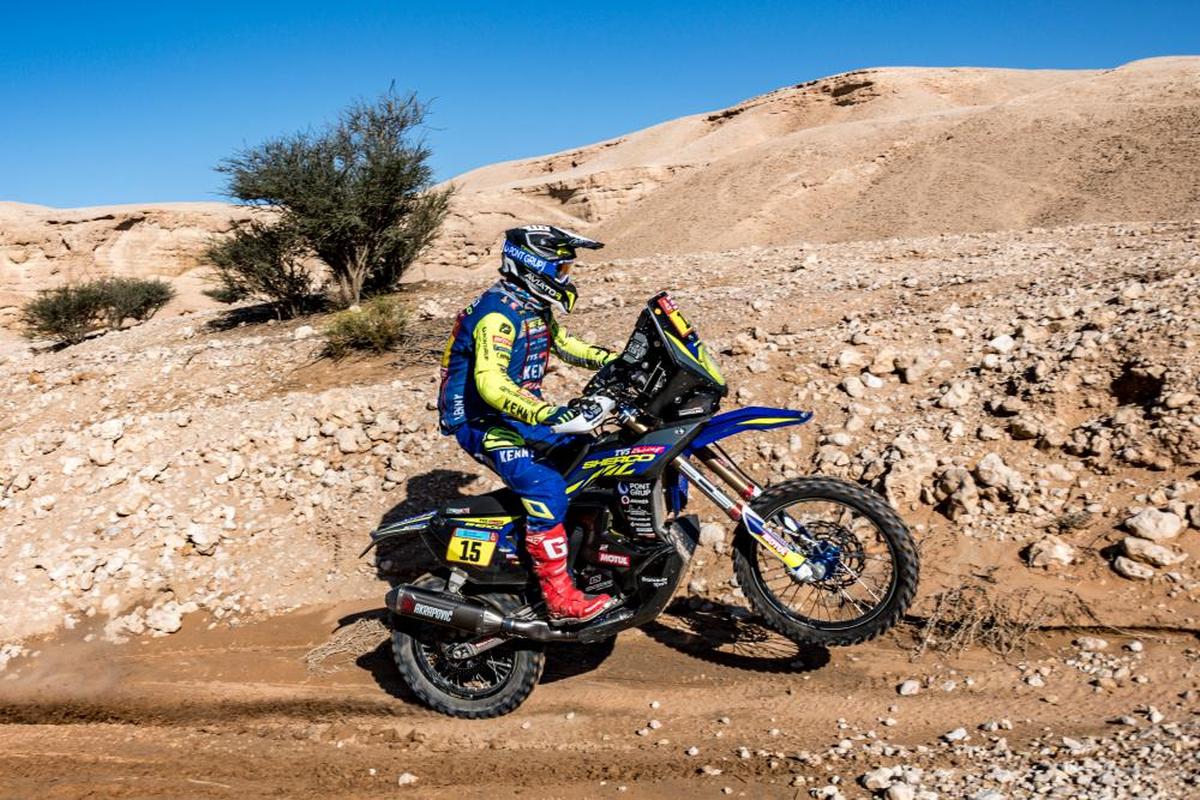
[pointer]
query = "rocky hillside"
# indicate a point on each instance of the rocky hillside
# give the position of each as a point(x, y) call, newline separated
point(44, 247)
point(866, 155)
point(1028, 399)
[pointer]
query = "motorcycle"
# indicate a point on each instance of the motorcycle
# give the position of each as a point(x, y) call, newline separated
point(820, 560)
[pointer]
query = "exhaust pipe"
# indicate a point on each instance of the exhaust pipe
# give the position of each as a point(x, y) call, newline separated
point(450, 612)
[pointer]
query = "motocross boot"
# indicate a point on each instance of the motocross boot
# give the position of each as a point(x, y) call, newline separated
point(564, 602)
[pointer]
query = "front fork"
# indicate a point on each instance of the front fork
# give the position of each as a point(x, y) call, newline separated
point(739, 510)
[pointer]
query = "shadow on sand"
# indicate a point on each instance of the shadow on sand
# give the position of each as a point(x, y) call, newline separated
point(728, 636)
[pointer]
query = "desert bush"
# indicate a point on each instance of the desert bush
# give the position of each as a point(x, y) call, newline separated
point(69, 313)
point(132, 298)
point(381, 324)
point(358, 195)
point(66, 314)
point(263, 262)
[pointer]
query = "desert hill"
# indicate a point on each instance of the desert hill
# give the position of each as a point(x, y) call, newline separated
point(42, 247)
point(865, 155)
point(871, 154)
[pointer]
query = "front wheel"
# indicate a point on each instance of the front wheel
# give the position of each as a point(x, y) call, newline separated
point(493, 683)
point(871, 564)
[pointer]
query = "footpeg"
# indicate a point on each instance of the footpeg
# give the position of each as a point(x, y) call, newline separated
point(613, 602)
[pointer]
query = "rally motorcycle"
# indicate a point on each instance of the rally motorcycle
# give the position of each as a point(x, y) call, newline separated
point(820, 560)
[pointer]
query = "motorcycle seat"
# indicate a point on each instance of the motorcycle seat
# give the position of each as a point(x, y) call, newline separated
point(500, 503)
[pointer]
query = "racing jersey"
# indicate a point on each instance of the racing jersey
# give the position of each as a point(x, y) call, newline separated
point(496, 356)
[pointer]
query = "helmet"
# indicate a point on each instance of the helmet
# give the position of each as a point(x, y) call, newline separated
point(537, 258)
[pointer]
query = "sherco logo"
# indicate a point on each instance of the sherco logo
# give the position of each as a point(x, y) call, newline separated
point(433, 612)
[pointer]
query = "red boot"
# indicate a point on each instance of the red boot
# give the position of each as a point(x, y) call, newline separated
point(564, 602)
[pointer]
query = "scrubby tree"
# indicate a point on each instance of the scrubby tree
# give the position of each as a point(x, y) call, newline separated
point(67, 314)
point(263, 262)
point(132, 298)
point(357, 194)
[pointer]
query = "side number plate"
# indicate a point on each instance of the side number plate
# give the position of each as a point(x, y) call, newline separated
point(472, 547)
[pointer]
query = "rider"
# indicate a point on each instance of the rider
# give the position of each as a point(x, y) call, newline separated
point(491, 395)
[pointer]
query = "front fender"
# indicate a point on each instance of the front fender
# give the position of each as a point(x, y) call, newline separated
point(744, 419)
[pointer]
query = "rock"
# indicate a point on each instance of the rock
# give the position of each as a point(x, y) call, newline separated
point(71, 465)
point(203, 538)
point(1194, 515)
point(1179, 399)
point(956, 735)
point(236, 467)
point(1002, 344)
point(712, 535)
point(102, 453)
point(900, 791)
point(1091, 644)
point(348, 440)
point(957, 494)
point(1155, 525)
point(407, 779)
point(849, 358)
point(992, 471)
point(877, 779)
point(1050, 551)
point(135, 498)
point(1148, 552)
point(902, 484)
point(304, 332)
point(1133, 570)
point(853, 386)
point(1025, 427)
point(166, 618)
point(111, 429)
point(956, 395)
point(908, 688)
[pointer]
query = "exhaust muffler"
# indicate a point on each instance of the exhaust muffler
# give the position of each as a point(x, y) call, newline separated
point(451, 612)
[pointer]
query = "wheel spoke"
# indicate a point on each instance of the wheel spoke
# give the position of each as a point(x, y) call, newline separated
point(860, 559)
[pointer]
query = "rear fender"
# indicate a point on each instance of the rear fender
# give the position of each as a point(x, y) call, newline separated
point(394, 530)
point(740, 420)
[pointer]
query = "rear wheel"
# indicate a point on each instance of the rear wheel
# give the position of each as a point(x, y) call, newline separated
point(870, 561)
point(493, 683)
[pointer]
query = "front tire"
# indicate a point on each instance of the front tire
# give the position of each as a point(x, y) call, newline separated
point(816, 613)
point(493, 683)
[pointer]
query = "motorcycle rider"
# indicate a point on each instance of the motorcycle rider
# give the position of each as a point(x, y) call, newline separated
point(491, 396)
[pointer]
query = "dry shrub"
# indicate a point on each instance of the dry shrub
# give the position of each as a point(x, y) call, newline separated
point(346, 645)
point(379, 325)
point(1003, 622)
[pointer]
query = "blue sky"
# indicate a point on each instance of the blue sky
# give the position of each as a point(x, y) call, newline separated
point(135, 102)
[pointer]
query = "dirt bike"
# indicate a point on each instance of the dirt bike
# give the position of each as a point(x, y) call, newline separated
point(821, 560)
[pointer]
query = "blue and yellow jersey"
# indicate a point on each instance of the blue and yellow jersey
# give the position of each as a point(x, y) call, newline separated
point(496, 356)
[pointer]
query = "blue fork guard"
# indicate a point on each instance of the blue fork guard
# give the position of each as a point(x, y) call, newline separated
point(752, 418)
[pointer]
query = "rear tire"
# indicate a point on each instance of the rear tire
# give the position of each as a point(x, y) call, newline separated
point(417, 650)
point(785, 620)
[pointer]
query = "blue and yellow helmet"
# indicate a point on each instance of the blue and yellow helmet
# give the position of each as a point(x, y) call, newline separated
point(538, 259)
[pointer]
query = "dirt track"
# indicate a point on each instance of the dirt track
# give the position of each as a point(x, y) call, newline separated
point(235, 713)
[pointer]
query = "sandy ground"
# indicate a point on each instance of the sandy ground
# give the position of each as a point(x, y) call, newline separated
point(236, 713)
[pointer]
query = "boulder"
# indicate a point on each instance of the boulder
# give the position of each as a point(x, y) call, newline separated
point(1050, 551)
point(957, 494)
point(992, 471)
point(1148, 552)
point(956, 395)
point(1133, 570)
point(1155, 525)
